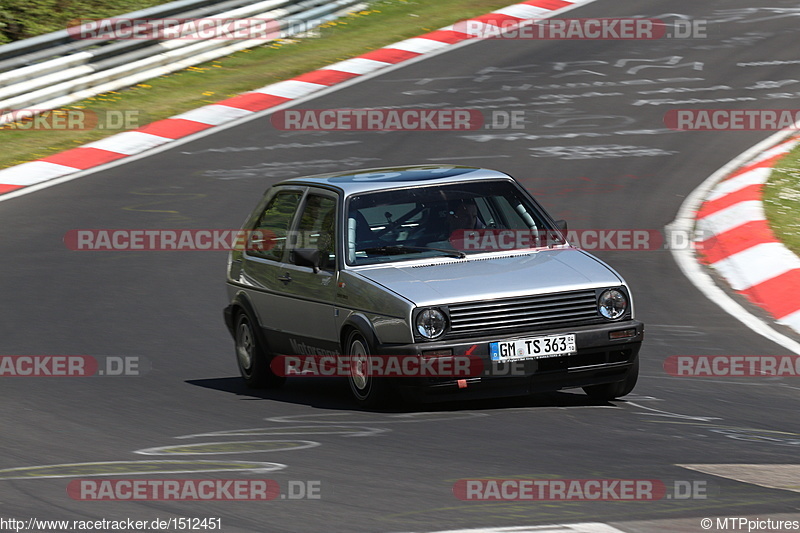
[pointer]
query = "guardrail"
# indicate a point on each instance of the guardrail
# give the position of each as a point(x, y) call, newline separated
point(21, 53)
point(57, 69)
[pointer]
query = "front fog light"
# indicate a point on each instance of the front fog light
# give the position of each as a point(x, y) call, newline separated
point(431, 323)
point(612, 304)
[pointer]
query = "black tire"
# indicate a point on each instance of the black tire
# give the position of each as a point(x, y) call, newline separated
point(252, 358)
point(610, 391)
point(368, 391)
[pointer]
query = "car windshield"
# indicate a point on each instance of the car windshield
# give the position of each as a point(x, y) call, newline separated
point(443, 220)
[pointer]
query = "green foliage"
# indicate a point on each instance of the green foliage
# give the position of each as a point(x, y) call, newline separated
point(22, 19)
point(782, 200)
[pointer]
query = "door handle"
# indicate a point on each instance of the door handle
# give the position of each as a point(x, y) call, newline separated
point(286, 278)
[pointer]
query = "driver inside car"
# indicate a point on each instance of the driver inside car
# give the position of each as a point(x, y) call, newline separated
point(465, 216)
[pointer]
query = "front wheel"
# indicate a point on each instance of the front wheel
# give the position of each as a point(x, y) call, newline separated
point(610, 391)
point(252, 358)
point(368, 390)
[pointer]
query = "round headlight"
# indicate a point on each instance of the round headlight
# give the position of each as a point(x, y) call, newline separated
point(612, 304)
point(430, 323)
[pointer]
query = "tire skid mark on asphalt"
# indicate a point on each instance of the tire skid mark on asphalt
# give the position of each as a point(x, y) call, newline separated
point(289, 169)
point(113, 468)
point(762, 436)
point(281, 146)
point(391, 417)
point(767, 382)
point(110, 468)
point(780, 438)
point(494, 156)
point(669, 335)
point(503, 510)
point(585, 527)
point(659, 412)
point(345, 431)
point(160, 199)
point(228, 447)
point(331, 424)
point(642, 398)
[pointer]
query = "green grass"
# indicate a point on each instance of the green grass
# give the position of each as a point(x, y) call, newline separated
point(782, 200)
point(22, 19)
point(385, 22)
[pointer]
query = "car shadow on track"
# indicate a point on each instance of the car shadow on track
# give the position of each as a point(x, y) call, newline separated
point(333, 394)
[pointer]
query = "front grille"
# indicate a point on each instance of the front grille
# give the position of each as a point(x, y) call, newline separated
point(523, 313)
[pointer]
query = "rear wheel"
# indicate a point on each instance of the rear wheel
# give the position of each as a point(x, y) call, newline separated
point(368, 390)
point(609, 391)
point(252, 358)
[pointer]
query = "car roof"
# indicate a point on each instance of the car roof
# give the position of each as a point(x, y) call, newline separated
point(369, 180)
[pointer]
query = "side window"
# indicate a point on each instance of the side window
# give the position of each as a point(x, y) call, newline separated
point(317, 229)
point(274, 224)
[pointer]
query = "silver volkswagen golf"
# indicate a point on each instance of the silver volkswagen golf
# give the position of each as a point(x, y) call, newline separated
point(456, 272)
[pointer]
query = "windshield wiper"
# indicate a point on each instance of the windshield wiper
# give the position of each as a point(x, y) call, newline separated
point(401, 249)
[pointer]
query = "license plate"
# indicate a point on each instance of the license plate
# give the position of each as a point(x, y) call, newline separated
point(533, 348)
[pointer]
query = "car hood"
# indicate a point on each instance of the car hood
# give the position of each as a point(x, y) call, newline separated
point(488, 277)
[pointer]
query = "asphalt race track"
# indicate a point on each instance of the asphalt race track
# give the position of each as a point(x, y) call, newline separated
point(594, 150)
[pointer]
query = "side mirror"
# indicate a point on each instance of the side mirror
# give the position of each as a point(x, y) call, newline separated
point(307, 257)
point(559, 236)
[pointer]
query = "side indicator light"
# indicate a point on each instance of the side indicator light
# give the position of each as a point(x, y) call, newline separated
point(622, 334)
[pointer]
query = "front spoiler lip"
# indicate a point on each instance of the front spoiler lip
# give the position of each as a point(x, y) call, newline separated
point(588, 337)
point(514, 386)
point(590, 340)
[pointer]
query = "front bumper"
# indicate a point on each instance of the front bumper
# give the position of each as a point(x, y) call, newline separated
point(598, 360)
